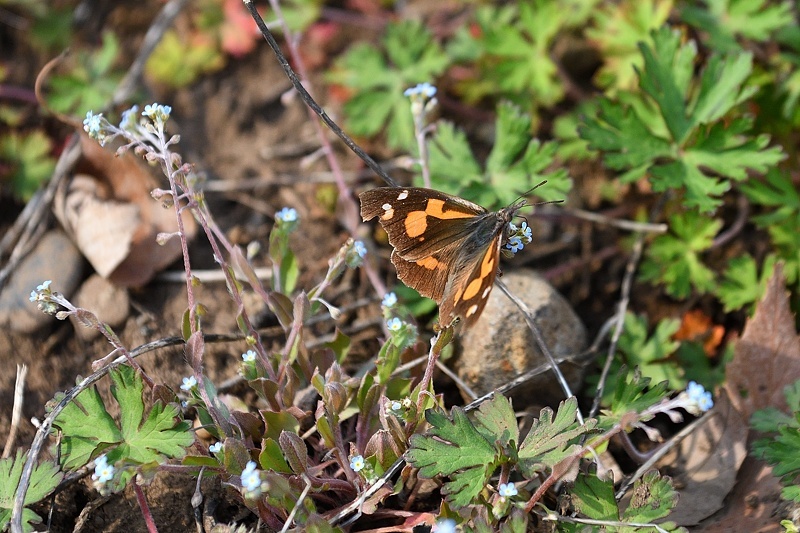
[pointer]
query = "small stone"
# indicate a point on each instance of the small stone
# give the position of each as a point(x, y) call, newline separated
point(110, 304)
point(500, 346)
point(54, 258)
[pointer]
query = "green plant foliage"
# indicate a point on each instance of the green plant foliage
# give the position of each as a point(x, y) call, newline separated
point(516, 163)
point(651, 354)
point(469, 451)
point(632, 392)
point(780, 446)
point(653, 498)
point(408, 56)
point(44, 478)
point(140, 437)
point(725, 21)
point(618, 29)
point(513, 49)
point(677, 130)
point(179, 60)
point(742, 285)
point(673, 259)
point(91, 83)
point(779, 195)
point(29, 161)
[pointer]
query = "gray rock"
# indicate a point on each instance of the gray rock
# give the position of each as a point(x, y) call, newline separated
point(500, 346)
point(107, 301)
point(54, 258)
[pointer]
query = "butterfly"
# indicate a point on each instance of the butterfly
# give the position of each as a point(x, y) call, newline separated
point(445, 247)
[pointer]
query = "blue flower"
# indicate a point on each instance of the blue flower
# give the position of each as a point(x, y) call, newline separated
point(526, 233)
point(157, 111)
point(128, 118)
point(249, 356)
point(423, 89)
point(251, 480)
point(357, 463)
point(700, 396)
point(215, 448)
point(396, 405)
point(360, 249)
point(514, 244)
point(354, 255)
point(189, 383)
point(507, 490)
point(394, 324)
point(445, 525)
point(91, 124)
point(287, 214)
point(389, 300)
point(103, 472)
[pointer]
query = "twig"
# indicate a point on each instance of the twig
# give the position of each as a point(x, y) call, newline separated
point(371, 163)
point(297, 504)
point(630, 225)
point(537, 334)
point(16, 410)
point(658, 453)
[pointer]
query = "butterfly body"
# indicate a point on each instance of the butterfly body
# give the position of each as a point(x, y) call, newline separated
point(445, 247)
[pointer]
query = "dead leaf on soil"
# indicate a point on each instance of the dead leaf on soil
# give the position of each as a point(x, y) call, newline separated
point(707, 462)
point(108, 212)
point(767, 357)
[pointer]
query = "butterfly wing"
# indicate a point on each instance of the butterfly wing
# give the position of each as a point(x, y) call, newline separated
point(421, 222)
point(471, 281)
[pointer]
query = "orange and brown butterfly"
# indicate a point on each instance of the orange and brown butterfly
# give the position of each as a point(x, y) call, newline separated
point(445, 247)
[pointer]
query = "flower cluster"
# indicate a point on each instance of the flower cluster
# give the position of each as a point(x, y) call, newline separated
point(518, 237)
point(287, 219)
point(354, 257)
point(699, 399)
point(42, 296)
point(423, 101)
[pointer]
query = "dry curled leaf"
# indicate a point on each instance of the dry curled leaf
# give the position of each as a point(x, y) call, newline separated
point(107, 210)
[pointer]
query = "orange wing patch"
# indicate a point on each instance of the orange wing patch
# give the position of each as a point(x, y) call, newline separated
point(431, 263)
point(435, 208)
point(416, 223)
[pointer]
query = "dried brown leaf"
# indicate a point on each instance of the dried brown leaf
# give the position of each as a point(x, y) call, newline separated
point(705, 464)
point(767, 357)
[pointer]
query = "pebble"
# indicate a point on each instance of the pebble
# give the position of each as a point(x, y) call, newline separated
point(500, 346)
point(54, 258)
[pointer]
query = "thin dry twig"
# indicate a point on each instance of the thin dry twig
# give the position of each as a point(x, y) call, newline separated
point(16, 410)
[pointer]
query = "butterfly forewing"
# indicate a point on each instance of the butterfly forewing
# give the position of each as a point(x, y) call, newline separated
point(420, 222)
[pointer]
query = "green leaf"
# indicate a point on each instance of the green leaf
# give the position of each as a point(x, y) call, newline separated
point(594, 498)
point(618, 30)
point(552, 439)
point(409, 56)
point(498, 422)
point(151, 438)
point(652, 353)
point(516, 163)
point(742, 285)
point(44, 479)
point(674, 259)
point(698, 140)
point(726, 20)
point(456, 449)
point(29, 157)
point(91, 83)
point(88, 428)
point(653, 498)
point(634, 394)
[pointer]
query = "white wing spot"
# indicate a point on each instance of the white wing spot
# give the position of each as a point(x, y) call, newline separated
point(472, 310)
point(403, 195)
point(486, 291)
